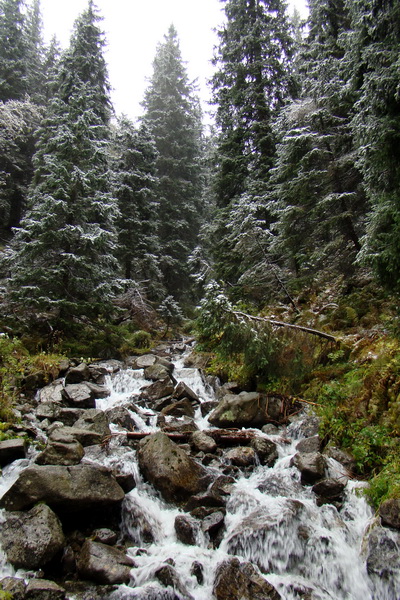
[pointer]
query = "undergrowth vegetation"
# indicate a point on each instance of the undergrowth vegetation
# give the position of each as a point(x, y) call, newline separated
point(354, 383)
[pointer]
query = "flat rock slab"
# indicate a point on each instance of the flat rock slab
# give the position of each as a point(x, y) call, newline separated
point(11, 450)
point(67, 488)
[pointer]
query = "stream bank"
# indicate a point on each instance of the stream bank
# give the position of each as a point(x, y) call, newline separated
point(260, 511)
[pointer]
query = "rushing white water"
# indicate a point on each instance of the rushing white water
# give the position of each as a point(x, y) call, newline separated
point(272, 520)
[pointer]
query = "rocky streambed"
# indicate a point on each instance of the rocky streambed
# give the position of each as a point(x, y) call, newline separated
point(147, 480)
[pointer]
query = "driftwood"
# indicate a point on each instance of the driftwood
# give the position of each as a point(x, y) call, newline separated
point(274, 323)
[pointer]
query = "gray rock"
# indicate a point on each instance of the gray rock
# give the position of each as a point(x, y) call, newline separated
point(98, 391)
point(147, 360)
point(176, 475)
point(52, 392)
point(158, 389)
point(208, 406)
point(61, 453)
point(156, 372)
point(104, 564)
point(11, 450)
point(342, 457)
point(247, 409)
point(48, 410)
point(176, 425)
point(310, 465)
point(270, 429)
point(203, 442)
point(15, 587)
point(94, 419)
point(213, 523)
point(309, 444)
point(42, 589)
point(122, 417)
point(79, 395)
point(183, 391)
point(31, 539)
point(265, 449)
point(168, 576)
point(389, 512)
point(383, 553)
point(234, 580)
point(77, 374)
point(68, 435)
point(179, 408)
point(67, 488)
point(186, 529)
point(241, 456)
point(309, 426)
point(105, 536)
point(329, 490)
point(208, 498)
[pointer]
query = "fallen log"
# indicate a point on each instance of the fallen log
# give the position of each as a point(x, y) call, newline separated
point(228, 437)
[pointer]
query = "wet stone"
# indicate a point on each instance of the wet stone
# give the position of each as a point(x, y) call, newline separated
point(42, 589)
point(11, 450)
point(15, 587)
point(311, 466)
point(186, 529)
point(310, 444)
point(389, 512)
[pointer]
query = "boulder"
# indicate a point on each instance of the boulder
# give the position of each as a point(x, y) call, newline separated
point(94, 419)
point(104, 564)
point(67, 488)
point(42, 589)
point(383, 553)
point(121, 416)
point(158, 389)
point(156, 372)
point(186, 529)
point(208, 406)
point(68, 435)
point(265, 449)
point(105, 536)
point(184, 391)
point(389, 512)
point(31, 539)
point(309, 444)
point(179, 409)
point(168, 576)
point(247, 409)
point(311, 466)
point(11, 450)
point(342, 457)
point(77, 374)
point(241, 456)
point(329, 491)
point(52, 392)
point(234, 580)
point(79, 395)
point(176, 425)
point(61, 453)
point(175, 474)
point(213, 523)
point(142, 362)
point(203, 442)
point(208, 498)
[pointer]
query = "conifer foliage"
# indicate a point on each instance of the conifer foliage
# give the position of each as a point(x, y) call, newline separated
point(173, 118)
point(61, 259)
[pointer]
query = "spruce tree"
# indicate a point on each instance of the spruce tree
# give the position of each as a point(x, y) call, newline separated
point(373, 58)
point(61, 260)
point(320, 204)
point(252, 81)
point(173, 117)
point(133, 184)
point(13, 51)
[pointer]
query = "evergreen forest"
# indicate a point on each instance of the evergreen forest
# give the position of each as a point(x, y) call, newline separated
point(273, 237)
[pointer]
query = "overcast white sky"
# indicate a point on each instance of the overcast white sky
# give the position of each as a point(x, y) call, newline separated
point(133, 29)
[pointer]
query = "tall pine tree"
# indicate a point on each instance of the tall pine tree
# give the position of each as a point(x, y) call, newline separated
point(172, 115)
point(14, 51)
point(61, 259)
